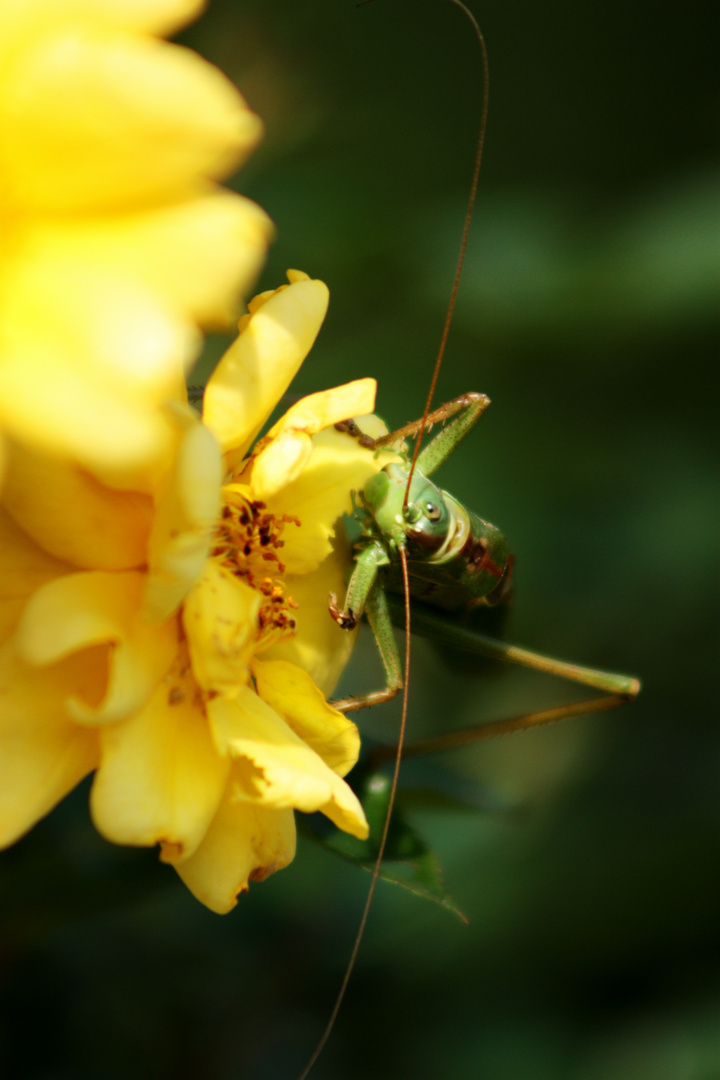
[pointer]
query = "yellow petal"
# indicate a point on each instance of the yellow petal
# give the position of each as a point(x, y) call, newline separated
point(260, 365)
point(287, 446)
point(83, 284)
point(87, 358)
point(98, 322)
point(92, 118)
point(78, 611)
point(186, 515)
point(44, 755)
point(292, 694)
point(220, 619)
point(244, 843)
point(319, 646)
point(194, 255)
point(160, 779)
point(279, 463)
point(318, 411)
point(198, 254)
point(275, 767)
point(73, 516)
point(162, 17)
point(24, 567)
point(321, 495)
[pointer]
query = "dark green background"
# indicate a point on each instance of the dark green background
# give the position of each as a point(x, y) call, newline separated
point(588, 312)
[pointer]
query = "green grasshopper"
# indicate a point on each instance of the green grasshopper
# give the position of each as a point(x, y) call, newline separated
point(419, 543)
point(456, 563)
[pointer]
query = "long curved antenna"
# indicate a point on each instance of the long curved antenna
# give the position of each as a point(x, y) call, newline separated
point(463, 241)
point(383, 839)
point(403, 556)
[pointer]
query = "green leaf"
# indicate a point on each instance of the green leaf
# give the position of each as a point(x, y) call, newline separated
point(408, 861)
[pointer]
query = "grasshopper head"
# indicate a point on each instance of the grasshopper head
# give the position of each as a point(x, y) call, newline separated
point(422, 526)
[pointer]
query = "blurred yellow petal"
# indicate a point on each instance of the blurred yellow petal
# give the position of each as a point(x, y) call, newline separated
point(319, 646)
point(186, 514)
point(24, 567)
point(160, 779)
point(87, 358)
point(92, 118)
point(22, 18)
point(86, 291)
point(275, 767)
point(44, 755)
point(220, 619)
point(117, 245)
point(199, 254)
point(244, 843)
point(260, 365)
point(74, 517)
point(292, 694)
point(194, 255)
point(96, 608)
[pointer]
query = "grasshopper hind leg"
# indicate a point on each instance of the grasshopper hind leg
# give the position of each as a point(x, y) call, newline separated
point(616, 689)
point(467, 736)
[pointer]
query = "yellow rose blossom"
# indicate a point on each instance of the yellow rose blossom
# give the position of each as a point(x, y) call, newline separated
point(117, 243)
point(186, 656)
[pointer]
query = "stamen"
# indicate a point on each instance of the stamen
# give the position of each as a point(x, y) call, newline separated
point(248, 537)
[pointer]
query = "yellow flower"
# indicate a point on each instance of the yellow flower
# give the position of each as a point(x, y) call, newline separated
point(178, 642)
point(117, 243)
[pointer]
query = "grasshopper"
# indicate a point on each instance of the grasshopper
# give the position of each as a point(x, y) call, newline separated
point(456, 563)
point(419, 543)
point(425, 562)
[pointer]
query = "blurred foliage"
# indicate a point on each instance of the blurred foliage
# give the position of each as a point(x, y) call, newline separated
point(588, 313)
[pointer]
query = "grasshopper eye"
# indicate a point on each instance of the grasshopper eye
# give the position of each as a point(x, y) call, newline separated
point(432, 511)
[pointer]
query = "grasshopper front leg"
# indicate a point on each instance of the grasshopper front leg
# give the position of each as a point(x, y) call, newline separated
point(466, 409)
point(463, 412)
point(366, 595)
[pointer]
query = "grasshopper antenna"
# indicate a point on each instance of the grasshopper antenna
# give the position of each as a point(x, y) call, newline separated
point(383, 839)
point(463, 242)
point(403, 555)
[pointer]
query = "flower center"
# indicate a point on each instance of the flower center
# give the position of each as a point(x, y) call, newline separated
point(248, 538)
